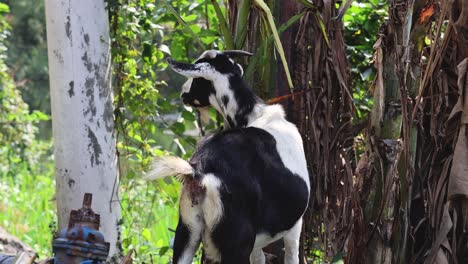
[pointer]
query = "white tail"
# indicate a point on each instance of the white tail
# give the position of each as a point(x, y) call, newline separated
point(168, 166)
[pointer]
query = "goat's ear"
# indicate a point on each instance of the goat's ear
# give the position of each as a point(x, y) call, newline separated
point(197, 70)
point(209, 54)
point(241, 70)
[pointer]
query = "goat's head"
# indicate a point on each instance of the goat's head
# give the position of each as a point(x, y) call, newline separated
point(211, 67)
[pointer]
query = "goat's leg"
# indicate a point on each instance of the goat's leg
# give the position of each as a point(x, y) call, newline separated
point(234, 236)
point(291, 244)
point(186, 243)
point(257, 256)
point(237, 255)
point(189, 229)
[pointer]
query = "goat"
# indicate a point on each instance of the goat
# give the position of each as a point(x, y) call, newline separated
point(244, 187)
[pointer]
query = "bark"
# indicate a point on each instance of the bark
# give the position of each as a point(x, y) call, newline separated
point(458, 179)
point(438, 236)
point(386, 144)
point(82, 111)
point(323, 116)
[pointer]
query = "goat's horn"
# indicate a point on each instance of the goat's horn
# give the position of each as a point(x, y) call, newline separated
point(235, 53)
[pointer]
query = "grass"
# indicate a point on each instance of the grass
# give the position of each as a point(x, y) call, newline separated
point(149, 213)
point(27, 206)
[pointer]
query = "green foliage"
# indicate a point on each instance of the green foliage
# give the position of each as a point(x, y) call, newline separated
point(361, 24)
point(27, 205)
point(150, 118)
point(27, 209)
point(17, 124)
point(27, 55)
point(149, 217)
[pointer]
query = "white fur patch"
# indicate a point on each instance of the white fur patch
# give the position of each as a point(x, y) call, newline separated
point(191, 216)
point(231, 107)
point(212, 214)
point(257, 256)
point(291, 243)
point(288, 140)
point(222, 87)
point(215, 103)
point(186, 86)
point(263, 239)
point(201, 69)
point(168, 166)
point(212, 205)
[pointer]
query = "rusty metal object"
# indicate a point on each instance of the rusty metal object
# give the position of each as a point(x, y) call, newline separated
point(81, 242)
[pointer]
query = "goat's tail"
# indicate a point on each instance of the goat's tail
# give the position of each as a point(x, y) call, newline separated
point(169, 166)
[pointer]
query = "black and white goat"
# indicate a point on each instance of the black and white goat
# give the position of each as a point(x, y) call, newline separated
point(244, 187)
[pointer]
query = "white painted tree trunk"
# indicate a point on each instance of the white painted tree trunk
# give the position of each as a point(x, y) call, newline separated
point(82, 112)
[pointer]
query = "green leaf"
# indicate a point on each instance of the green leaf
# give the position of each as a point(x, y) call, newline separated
point(4, 8)
point(188, 116)
point(253, 62)
point(224, 26)
point(146, 234)
point(186, 26)
point(147, 51)
point(163, 250)
point(307, 3)
point(39, 116)
point(279, 45)
point(242, 21)
point(322, 27)
point(178, 128)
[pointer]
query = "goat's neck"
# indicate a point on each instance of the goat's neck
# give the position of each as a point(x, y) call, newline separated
point(236, 102)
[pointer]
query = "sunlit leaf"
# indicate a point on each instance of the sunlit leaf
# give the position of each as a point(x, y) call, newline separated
point(4, 8)
point(278, 43)
point(186, 26)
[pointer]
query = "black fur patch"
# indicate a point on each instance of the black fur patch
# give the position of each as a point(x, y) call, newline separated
point(230, 122)
point(200, 90)
point(225, 100)
point(245, 98)
point(182, 241)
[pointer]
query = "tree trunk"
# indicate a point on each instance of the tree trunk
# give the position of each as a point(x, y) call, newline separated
point(414, 222)
point(82, 111)
point(458, 181)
